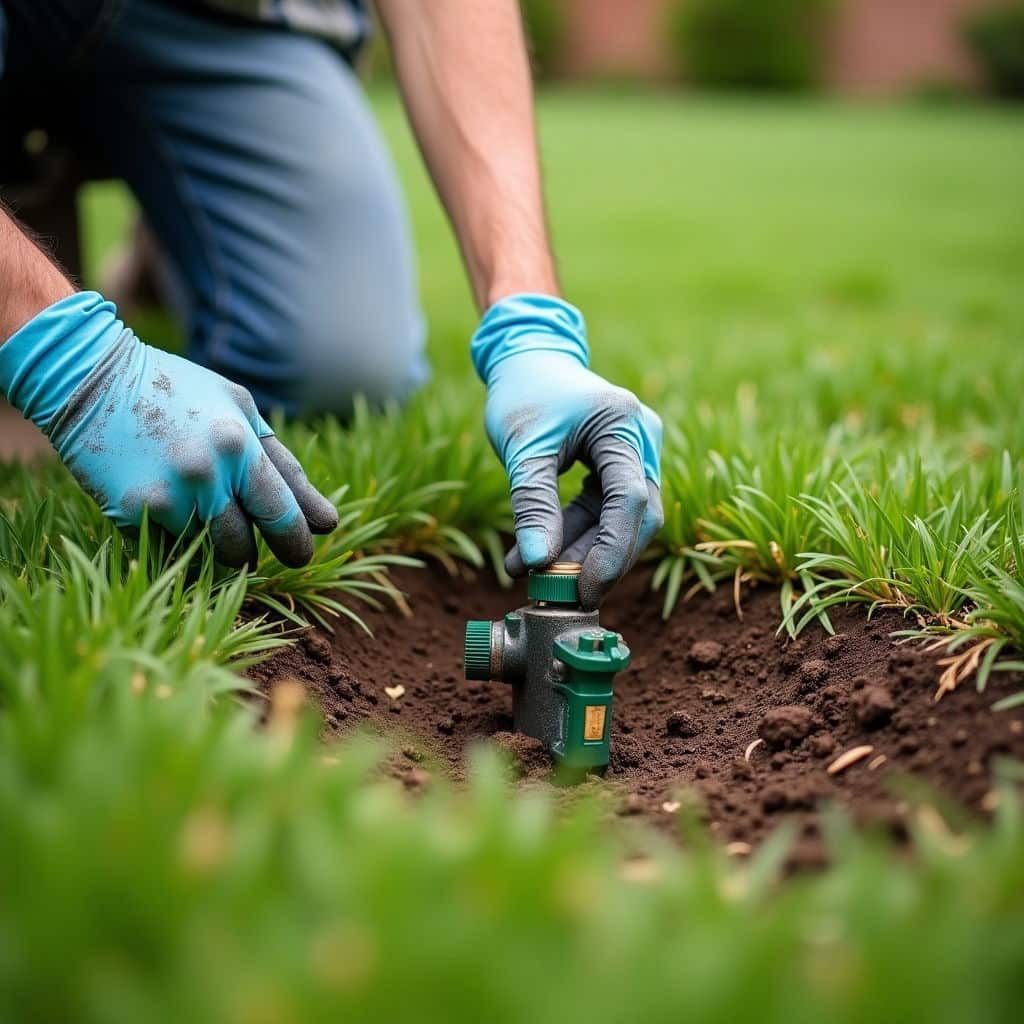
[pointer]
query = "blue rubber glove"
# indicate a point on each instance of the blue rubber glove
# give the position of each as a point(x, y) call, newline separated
point(546, 410)
point(141, 427)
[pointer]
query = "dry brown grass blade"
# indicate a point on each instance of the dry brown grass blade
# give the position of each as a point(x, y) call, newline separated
point(448, 563)
point(718, 547)
point(959, 666)
point(393, 592)
point(848, 758)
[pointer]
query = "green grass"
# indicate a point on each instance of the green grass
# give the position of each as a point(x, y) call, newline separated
point(824, 302)
point(794, 287)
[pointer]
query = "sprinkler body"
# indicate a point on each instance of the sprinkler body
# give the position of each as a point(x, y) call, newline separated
point(561, 665)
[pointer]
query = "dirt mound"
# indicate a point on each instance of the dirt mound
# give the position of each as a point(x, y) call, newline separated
point(786, 726)
point(529, 757)
point(872, 706)
point(713, 709)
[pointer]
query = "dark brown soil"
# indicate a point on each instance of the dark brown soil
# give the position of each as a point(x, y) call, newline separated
point(716, 712)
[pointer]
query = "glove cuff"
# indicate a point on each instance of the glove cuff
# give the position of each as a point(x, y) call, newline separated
point(528, 323)
point(43, 363)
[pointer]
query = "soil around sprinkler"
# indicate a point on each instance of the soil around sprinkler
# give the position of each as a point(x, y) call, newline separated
point(749, 728)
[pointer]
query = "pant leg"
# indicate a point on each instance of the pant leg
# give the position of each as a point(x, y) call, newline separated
point(259, 167)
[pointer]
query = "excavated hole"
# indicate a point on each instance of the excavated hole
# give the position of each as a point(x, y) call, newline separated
point(716, 711)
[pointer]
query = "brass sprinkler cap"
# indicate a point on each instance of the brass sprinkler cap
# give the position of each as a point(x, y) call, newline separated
point(557, 584)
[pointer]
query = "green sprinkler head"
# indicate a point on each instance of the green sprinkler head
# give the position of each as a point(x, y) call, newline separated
point(561, 665)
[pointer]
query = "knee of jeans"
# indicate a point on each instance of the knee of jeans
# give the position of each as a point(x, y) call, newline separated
point(317, 350)
point(346, 350)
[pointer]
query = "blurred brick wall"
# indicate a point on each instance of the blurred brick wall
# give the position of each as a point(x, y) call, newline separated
point(884, 46)
point(875, 47)
point(617, 37)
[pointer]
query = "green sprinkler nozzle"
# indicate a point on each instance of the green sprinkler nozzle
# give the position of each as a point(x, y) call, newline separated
point(561, 665)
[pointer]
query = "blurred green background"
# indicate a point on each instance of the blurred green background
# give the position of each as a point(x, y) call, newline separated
point(728, 243)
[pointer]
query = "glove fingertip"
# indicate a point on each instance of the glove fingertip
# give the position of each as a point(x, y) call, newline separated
point(535, 547)
point(514, 564)
point(293, 546)
point(320, 514)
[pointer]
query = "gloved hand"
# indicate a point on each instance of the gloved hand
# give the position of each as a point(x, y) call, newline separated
point(140, 427)
point(545, 410)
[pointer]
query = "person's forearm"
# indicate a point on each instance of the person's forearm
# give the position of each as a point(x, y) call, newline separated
point(465, 77)
point(30, 280)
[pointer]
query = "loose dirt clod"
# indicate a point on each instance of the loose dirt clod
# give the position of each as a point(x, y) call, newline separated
point(872, 706)
point(822, 744)
point(814, 671)
point(317, 646)
point(835, 645)
point(801, 797)
point(786, 726)
point(682, 724)
point(705, 653)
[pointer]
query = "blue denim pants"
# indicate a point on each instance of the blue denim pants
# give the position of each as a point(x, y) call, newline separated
point(257, 162)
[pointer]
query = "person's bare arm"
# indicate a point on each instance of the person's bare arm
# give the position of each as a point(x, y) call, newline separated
point(465, 79)
point(29, 280)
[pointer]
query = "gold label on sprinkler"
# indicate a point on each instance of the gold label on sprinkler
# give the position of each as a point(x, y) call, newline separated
point(593, 722)
point(561, 665)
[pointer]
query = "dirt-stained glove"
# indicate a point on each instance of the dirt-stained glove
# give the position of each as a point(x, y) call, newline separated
point(139, 427)
point(546, 410)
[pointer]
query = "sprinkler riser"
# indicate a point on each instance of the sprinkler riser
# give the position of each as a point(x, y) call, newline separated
point(561, 665)
point(538, 707)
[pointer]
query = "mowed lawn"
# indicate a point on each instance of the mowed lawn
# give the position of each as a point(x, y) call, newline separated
point(793, 285)
point(720, 244)
point(800, 287)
